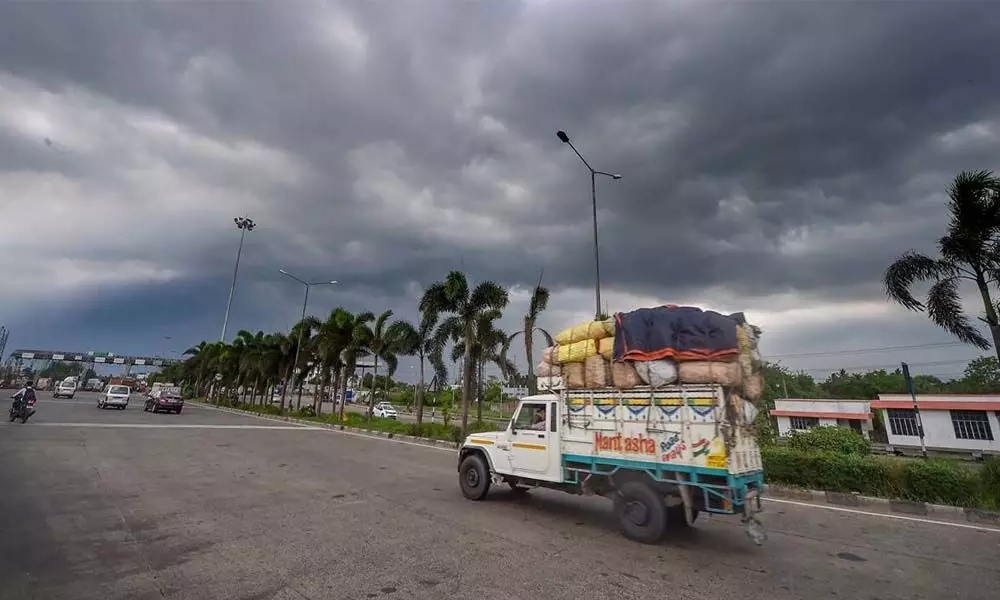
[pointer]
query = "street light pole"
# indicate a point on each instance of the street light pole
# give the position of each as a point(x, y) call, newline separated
point(305, 302)
point(593, 199)
point(244, 224)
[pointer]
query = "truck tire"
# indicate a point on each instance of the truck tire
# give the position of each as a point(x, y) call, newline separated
point(641, 512)
point(675, 516)
point(474, 477)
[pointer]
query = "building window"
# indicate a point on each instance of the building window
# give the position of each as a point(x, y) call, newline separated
point(803, 423)
point(971, 425)
point(903, 421)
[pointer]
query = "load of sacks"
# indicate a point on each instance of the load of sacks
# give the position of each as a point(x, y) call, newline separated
point(656, 347)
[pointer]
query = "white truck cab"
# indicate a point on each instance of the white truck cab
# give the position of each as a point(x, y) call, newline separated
point(662, 455)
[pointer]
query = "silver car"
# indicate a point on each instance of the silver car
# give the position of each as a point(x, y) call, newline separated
point(114, 396)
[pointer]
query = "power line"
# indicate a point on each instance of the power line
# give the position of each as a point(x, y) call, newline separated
point(893, 366)
point(869, 350)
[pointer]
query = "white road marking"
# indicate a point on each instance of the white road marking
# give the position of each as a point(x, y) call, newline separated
point(883, 515)
point(178, 426)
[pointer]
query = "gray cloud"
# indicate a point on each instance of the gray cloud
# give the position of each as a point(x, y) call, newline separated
point(767, 148)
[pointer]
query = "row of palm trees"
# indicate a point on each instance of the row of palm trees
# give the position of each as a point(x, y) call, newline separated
point(452, 313)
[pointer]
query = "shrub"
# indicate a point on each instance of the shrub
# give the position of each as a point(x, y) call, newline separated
point(830, 439)
point(306, 412)
point(936, 480)
point(989, 475)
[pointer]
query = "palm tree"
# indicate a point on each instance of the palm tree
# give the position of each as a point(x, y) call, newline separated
point(387, 341)
point(539, 301)
point(358, 345)
point(969, 251)
point(303, 330)
point(454, 296)
point(487, 347)
point(333, 337)
point(423, 342)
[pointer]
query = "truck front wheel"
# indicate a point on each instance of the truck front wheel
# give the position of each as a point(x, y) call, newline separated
point(474, 477)
point(641, 512)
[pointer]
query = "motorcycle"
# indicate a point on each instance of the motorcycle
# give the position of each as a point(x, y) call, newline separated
point(20, 409)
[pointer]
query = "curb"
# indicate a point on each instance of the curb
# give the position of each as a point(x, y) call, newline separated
point(907, 507)
point(356, 430)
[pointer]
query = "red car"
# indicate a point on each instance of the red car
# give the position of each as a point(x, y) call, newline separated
point(165, 400)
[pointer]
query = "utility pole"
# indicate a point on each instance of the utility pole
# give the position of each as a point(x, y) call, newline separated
point(916, 408)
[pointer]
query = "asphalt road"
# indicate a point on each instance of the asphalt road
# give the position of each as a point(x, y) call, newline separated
point(207, 505)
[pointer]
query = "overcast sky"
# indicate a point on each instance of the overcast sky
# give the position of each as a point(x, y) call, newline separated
point(776, 158)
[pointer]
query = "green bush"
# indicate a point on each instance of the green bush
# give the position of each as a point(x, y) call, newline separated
point(305, 412)
point(937, 480)
point(989, 474)
point(830, 439)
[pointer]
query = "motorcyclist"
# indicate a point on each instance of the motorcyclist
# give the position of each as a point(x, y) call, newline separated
point(27, 395)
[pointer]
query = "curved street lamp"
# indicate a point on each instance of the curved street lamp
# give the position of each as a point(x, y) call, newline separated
point(307, 284)
point(593, 198)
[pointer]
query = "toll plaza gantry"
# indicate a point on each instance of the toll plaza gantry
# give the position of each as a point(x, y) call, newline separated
point(19, 357)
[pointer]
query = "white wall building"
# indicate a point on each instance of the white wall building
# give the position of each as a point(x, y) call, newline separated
point(955, 422)
point(800, 414)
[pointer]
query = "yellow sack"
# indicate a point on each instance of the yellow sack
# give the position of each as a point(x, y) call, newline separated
point(606, 346)
point(591, 330)
point(576, 353)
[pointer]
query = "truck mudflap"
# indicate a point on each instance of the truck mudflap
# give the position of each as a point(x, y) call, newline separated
point(754, 528)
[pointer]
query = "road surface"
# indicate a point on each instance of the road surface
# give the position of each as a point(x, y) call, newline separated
point(209, 505)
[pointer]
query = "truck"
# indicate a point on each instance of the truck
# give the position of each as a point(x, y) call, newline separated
point(663, 456)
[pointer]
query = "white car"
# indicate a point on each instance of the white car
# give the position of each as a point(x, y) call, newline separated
point(65, 389)
point(384, 410)
point(115, 396)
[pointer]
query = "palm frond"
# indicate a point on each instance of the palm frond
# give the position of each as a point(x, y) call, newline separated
point(549, 340)
point(904, 272)
point(945, 308)
point(489, 295)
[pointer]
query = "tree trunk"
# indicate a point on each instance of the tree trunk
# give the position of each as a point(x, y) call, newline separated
point(284, 388)
point(991, 313)
point(467, 379)
point(420, 395)
point(371, 400)
point(349, 368)
point(529, 338)
point(479, 390)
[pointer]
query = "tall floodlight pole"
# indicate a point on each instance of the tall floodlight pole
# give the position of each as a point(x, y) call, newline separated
point(244, 224)
point(307, 285)
point(593, 199)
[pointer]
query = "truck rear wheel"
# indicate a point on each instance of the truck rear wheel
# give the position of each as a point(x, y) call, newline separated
point(474, 477)
point(641, 512)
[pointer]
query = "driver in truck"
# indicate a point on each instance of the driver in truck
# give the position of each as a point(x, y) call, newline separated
point(538, 423)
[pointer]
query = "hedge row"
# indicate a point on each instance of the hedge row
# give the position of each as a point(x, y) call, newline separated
point(436, 431)
point(938, 481)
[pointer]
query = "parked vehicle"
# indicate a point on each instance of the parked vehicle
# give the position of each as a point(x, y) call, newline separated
point(385, 410)
point(114, 396)
point(65, 389)
point(663, 456)
point(164, 399)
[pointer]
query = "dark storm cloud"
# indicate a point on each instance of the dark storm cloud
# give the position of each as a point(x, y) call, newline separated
point(766, 147)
